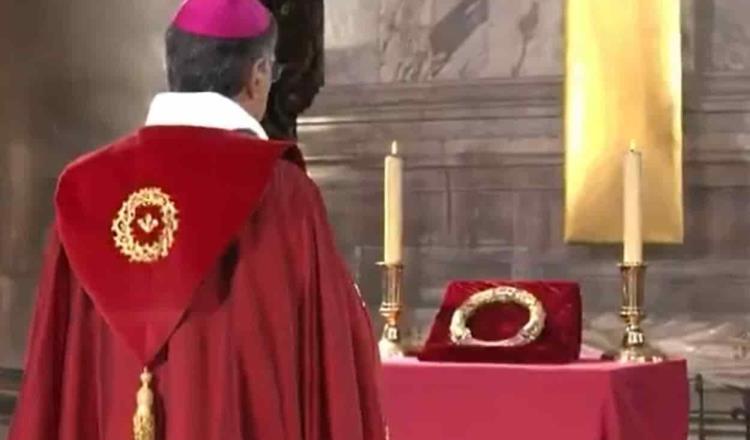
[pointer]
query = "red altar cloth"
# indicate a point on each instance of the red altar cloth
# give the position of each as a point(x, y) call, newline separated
point(587, 400)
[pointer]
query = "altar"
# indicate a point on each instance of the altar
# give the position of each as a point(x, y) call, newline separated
point(586, 400)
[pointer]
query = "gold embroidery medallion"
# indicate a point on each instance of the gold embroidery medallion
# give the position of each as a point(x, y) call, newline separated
point(145, 226)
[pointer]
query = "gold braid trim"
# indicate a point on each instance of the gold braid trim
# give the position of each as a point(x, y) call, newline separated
point(143, 420)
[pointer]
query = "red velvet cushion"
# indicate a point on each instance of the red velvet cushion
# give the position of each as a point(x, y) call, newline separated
point(559, 342)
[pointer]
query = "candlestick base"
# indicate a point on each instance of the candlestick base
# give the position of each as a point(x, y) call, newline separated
point(636, 355)
point(634, 347)
point(390, 345)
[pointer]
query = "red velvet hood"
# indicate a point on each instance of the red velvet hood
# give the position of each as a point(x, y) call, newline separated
point(214, 179)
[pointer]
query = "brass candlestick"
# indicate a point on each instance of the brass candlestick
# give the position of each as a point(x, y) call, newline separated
point(634, 347)
point(390, 309)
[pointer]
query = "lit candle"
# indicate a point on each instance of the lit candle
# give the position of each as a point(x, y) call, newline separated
point(632, 206)
point(394, 170)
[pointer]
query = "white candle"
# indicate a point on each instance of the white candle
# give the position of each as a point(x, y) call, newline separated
point(632, 208)
point(393, 238)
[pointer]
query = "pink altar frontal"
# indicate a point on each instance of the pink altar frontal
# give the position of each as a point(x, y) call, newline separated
point(586, 400)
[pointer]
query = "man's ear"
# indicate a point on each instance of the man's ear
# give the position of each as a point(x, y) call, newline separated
point(254, 82)
point(259, 76)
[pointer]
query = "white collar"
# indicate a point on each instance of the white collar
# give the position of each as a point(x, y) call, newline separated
point(201, 109)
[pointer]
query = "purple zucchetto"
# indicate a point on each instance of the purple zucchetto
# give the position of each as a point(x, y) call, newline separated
point(223, 18)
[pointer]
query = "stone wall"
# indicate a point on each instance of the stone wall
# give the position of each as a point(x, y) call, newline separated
point(471, 89)
point(73, 75)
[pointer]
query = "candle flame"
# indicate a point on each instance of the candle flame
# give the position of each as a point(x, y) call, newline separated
point(632, 146)
point(394, 148)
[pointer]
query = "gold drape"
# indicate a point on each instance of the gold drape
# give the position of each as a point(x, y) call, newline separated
point(623, 82)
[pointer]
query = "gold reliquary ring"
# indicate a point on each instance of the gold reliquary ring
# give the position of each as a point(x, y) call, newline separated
point(461, 334)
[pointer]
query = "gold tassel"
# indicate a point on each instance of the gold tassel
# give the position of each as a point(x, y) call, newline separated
point(143, 420)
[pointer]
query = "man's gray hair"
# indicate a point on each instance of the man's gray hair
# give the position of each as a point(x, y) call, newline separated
point(205, 64)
